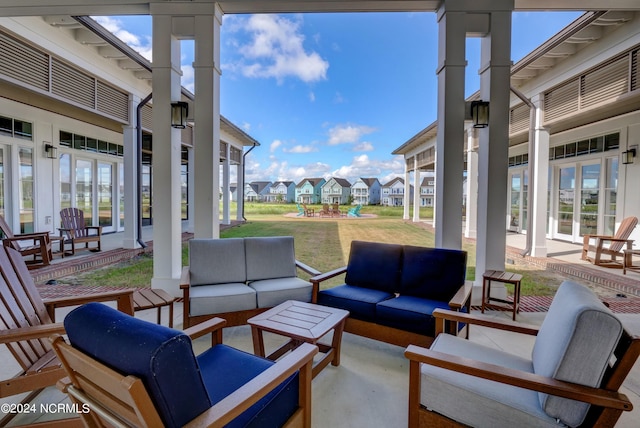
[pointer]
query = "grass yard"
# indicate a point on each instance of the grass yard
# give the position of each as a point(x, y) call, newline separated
point(323, 243)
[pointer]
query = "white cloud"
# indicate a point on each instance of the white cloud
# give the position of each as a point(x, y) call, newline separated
point(348, 134)
point(274, 146)
point(363, 166)
point(312, 97)
point(141, 45)
point(301, 149)
point(365, 146)
point(338, 98)
point(275, 49)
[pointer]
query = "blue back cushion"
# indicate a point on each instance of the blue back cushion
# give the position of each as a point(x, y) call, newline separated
point(432, 273)
point(374, 265)
point(161, 357)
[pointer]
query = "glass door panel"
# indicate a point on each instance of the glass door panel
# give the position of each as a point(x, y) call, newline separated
point(146, 195)
point(589, 197)
point(84, 189)
point(65, 180)
point(610, 196)
point(566, 197)
point(105, 195)
point(514, 211)
point(25, 177)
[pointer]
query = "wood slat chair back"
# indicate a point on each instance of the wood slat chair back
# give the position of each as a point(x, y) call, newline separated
point(73, 219)
point(75, 231)
point(624, 231)
point(612, 246)
point(39, 244)
point(115, 400)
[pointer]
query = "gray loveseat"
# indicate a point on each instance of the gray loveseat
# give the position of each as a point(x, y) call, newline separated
point(237, 278)
point(391, 290)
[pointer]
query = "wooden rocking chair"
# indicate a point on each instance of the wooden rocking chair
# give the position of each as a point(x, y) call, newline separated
point(37, 245)
point(26, 322)
point(75, 231)
point(609, 245)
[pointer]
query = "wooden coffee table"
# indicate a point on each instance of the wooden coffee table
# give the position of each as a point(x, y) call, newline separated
point(301, 322)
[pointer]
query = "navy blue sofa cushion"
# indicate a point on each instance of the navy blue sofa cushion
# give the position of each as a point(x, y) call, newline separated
point(432, 273)
point(180, 385)
point(374, 265)
point(360, 302)
point(410, 313)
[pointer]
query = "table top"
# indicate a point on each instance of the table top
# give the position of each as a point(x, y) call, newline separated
point(299, 320)
point(498, 275)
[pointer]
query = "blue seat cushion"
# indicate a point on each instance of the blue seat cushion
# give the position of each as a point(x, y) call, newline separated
point(432, 273)
point(161, 357)
point(225, 369)
point(374, 265)
point(360, 302)
point(409, 313)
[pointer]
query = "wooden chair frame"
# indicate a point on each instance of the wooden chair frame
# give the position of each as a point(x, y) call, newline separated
point(26, 322)
point(122, 400)
point(607, 403)
point(75, 231)
point(39, 245)
point(616, 245)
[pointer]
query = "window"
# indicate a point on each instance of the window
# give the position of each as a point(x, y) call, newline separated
point(26, 186)
point(16, 128)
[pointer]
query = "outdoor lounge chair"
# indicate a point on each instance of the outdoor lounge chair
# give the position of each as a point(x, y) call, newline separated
point(581, 356)
point(308, 212)
point(75, 231)
point(157, 380)
point(355, 211)
point(325, 211)
point(612, 246)
point(37, 245)
point(26, 322)
point(301, 211)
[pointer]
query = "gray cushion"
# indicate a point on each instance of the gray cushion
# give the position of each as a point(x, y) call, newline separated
point(216, 261)
point(575, 342)
point(272, 292)
point(270, 257)
point(480, 402)
point(221, 298)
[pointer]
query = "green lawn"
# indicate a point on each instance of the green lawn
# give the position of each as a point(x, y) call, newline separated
point(323, 243)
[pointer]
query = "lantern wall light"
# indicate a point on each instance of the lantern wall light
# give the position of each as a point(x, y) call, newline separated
point(179, 113)
point(629, 155)
point(480, 113)
point(51, 151)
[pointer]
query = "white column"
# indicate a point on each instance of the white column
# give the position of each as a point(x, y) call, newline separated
point(407, 192)
point(191, 193)
point(130, 161)
point(450, 139)
point(416, 191)
point(167, 245)
point(493, 150)
point(207, 126)
point(226, 188)
point(471, 223)
point(240, 189)
point(540, 181)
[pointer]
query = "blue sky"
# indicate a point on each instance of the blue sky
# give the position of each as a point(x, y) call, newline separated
point(333, 94)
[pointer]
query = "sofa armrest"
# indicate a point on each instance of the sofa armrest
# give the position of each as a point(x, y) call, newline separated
point(316, 280)
point(306, 268)
point(124, 299)
point(596, 396)
point(442, 315)
point(462, 298)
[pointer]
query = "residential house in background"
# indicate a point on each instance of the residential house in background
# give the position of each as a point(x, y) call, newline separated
point(336, 190)
point(393, 193)
point(427, 189)
point(308, 190)
point(256, 191)
point(366, 191)
point(281, 191)
point(233, 192)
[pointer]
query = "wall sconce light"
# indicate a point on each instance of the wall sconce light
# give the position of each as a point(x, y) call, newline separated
point(51, 151)
point(480, 113)
point(629, 155)
point(179, 112)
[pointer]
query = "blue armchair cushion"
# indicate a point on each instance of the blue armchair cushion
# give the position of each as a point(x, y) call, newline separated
point(374, 265)
point(270, 257)
point(432, 273)
point(409, 313)
point(360, 302)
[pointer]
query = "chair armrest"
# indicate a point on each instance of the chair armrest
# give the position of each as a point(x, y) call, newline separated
point(442, 315)
point(124, 299)
point(596, 396)
point(32, 332)
point(70, 232)
point(462, 298)
point(185, 277)
point(244, 397)
point(96, 228)
point(306, 268)
point(213, 326)
point(316, 280)
point(25, 236)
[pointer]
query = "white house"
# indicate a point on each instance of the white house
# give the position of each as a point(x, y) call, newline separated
point(366, 191)
point(336, 191)
point(281, 191)
point(427, 190)
point(393, 192)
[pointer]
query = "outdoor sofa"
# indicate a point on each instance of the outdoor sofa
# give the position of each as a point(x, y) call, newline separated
point(391, 290)
point(237, 278)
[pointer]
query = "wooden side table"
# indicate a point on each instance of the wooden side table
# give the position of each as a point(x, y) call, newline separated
point(627, 261)
point(149, 298)
point(301, 322)
point(506, 278)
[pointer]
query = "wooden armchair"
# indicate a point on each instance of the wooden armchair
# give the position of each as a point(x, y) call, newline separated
point(325, 211)
point(75, 231)
point(612, 246)
point(26, 322)
point(581, 356)
point(130, 372)
point(37, 245)
point(308, 212)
